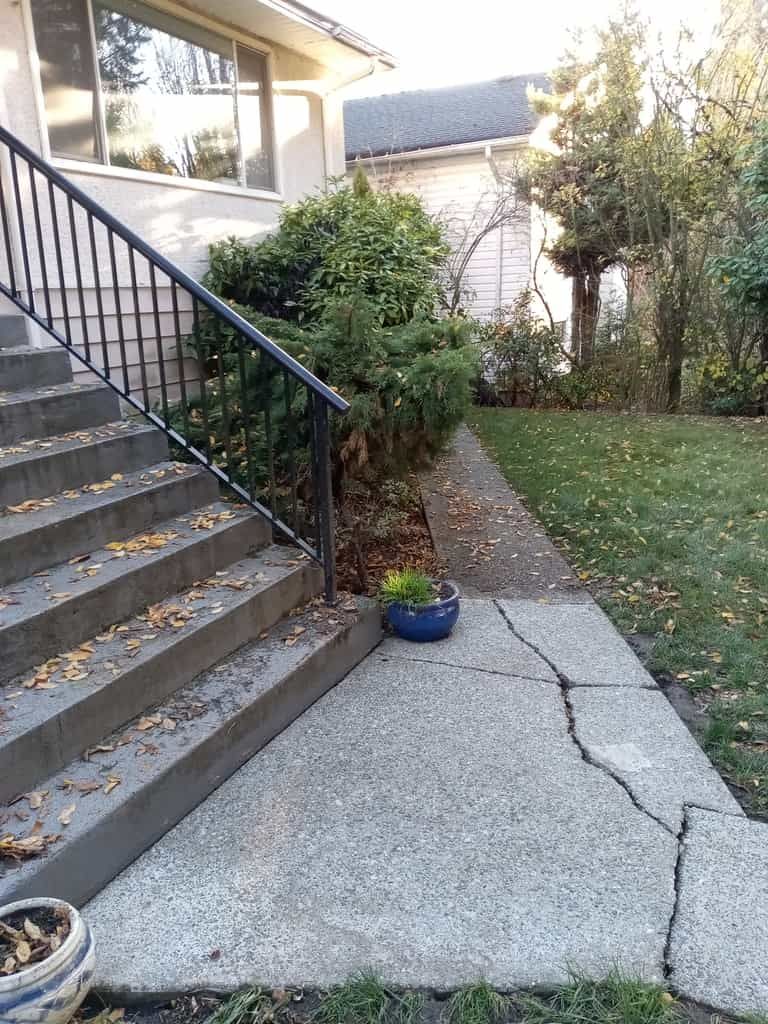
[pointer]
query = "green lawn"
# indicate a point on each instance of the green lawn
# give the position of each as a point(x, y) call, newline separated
point(666, 519)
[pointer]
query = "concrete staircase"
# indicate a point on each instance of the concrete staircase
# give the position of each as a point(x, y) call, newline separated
point(124, 582)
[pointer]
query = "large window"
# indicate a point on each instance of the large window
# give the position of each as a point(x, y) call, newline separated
point(128, 85)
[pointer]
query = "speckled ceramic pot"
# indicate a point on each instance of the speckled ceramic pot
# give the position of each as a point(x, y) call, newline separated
point(51, 991)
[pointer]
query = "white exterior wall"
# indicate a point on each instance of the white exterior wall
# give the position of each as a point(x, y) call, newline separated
point(456, 188)
point(178, 217)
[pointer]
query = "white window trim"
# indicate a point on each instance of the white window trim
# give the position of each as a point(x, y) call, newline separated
point(129, 173)
point(150, 177)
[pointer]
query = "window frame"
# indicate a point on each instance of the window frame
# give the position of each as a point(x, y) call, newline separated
point(101, 168)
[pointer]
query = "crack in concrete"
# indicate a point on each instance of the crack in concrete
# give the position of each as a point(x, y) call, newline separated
point(471, 668)
point(681, 838)
point(565, 686)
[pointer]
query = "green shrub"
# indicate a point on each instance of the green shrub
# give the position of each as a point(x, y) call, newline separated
point(725, 391)
point(590, 387)
point(519, 354)
point(330, 247)
point(408, 387)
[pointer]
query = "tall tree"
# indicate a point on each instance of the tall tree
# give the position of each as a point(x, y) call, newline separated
point(595, 105)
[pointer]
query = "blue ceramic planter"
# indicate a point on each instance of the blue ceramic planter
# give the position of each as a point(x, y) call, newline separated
point(422, 623)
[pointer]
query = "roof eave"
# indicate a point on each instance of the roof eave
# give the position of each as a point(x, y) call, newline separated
point(334, 29)
point(449, 149)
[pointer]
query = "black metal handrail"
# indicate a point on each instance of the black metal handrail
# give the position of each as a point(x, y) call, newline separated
point(260, 425)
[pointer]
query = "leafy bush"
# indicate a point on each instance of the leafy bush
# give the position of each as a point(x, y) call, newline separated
point(331, 247)
point(725, 391)
point(584, 388)
point(519, 355)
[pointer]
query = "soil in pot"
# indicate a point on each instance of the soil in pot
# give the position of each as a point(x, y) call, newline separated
point(28, 937)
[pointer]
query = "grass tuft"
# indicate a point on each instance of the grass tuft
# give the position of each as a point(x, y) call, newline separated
point(476, 1004)
point(406, 586)
point(360, 1000)
point(251, 1006)
point(614, 1000)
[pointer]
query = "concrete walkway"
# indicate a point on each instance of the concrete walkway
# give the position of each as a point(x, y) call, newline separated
point(515, 800)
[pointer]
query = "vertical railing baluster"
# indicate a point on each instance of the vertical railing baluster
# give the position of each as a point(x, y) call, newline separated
point(201, 376)
point(22, 233)
point(99, 300)
point(264, 388)
point(7, 239)
point(290, 444)
point(245, 408)
point(223, 399)
point(59, 264)
point(78, 278)
point(180, 358)
point(40, 244)
point(314, 447)
point(118, 310)
point(324, 497)
point(139, 332)
point(158, 340)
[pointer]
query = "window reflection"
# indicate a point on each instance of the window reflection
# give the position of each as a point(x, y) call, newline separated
point(169, 101)
point(157, 94)
point(68, 76)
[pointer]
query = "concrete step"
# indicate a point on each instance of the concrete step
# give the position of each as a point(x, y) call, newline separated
point(57, 409)
point(45, 531)
point(131, 668)
point(41, 467)
point(159, 767)
point(13, 331)
point(26, 367)
point(56, 610)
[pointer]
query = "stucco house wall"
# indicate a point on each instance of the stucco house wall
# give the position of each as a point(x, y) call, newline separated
point(177, 216)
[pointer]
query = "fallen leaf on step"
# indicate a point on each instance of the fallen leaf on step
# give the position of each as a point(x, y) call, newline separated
point(112, 782)
point(148, 722)
point(169, 724)
point(100, 748)
point(36, 798)
point(77, 559)
point(66, 815)
point(82, 787)
point(59, 597)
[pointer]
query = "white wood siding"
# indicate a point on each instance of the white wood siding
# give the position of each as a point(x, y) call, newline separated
point(456, 189)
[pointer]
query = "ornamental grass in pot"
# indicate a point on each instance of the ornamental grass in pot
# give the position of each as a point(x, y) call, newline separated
point(419, 608)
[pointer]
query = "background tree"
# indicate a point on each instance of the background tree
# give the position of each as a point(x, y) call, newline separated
point(596, 106)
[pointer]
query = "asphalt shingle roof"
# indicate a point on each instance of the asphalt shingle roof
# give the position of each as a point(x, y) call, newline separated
point(427, 118)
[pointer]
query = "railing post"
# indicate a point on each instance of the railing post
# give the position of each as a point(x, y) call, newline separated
point(321, 457)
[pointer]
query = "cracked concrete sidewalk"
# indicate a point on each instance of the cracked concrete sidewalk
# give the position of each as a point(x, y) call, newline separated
point(508, 803)
point(504, 804)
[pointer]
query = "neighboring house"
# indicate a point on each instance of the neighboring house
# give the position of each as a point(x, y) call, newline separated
point(189, 125)
point(451, 146)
